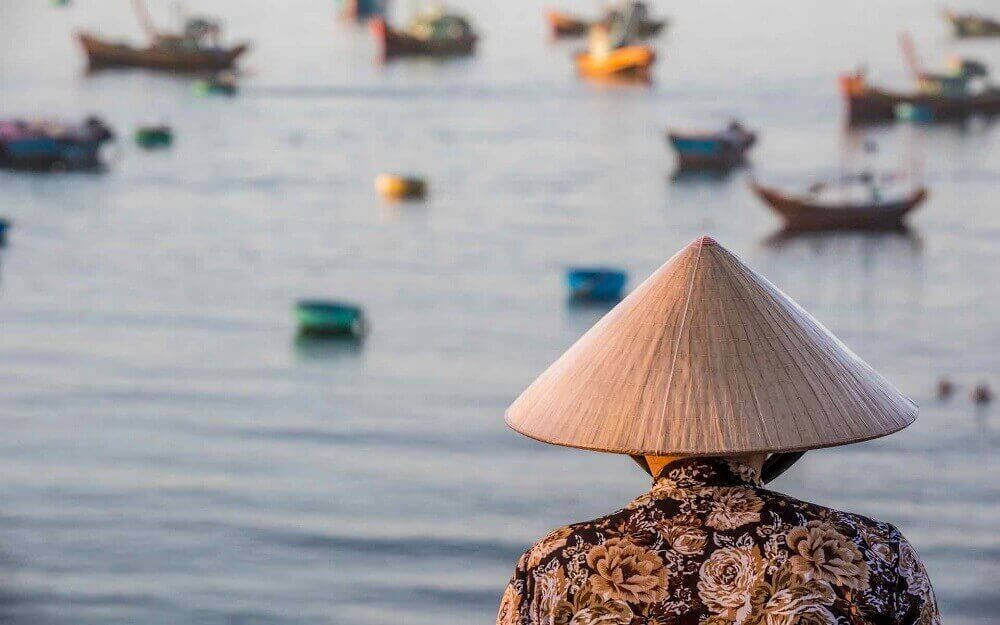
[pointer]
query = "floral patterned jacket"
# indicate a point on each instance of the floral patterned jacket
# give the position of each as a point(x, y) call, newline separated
point(708, 545)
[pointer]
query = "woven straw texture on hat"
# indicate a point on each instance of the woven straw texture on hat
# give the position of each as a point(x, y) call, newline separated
point(706, 357)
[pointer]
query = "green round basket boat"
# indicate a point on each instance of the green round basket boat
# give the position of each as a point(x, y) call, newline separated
point(330, 318)
point(152, 137)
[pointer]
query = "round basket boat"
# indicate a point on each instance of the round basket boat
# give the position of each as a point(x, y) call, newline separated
point(401, 187)
point(153, 137)
point(330, 318)
point(595, 283)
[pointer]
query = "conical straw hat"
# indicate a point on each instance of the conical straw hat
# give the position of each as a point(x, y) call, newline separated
point(706, 357)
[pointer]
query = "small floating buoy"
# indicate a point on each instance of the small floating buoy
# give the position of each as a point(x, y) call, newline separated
point(595, 283)
point(982, 394)
point(330, 318)
point(219, 84)
point(401, 187)
point(945, 388)
point(913, 113)
point(153, 137)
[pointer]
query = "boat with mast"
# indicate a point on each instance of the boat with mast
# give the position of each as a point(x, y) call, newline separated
point(961, 92)
point(435, 32)
point(567, 25)
point(968, 25)
point(197, 46)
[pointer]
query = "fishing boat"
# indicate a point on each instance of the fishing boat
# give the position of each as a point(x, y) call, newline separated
point(196, 47)
point(595, 283)
point(153, 137)
point(712, 150)
point(362, 10)
point(613, 52)
point(396, 187)
point(961, 91)
point(330, 318)
point(566, 25)
point(433, 33)
point(812, 211)
point(4, 227)
point(866, 103)
point(968, 25)
point(52, 146)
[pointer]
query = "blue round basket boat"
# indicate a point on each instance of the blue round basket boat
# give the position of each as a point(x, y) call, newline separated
point(330, 318)
point(596, 283)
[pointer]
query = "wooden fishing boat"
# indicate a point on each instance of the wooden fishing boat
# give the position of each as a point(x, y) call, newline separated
point(330, 318)
point(595, 283)
point(967, 25)
point(804, 212)
point(435, 34)
point(562, 25)
point(52, 146)
point(153, 137)
point(713, 150)
point(959, 92)
point(163, 54)
point(866, 103)
point(631, 62)
point(197, 46)
point(565, 25)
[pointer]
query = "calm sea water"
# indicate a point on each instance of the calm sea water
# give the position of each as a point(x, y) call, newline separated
point(170, 454)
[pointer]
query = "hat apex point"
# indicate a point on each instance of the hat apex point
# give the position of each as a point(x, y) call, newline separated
point(705, 240)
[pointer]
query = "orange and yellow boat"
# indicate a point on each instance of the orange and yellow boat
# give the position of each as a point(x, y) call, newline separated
point(626, 62)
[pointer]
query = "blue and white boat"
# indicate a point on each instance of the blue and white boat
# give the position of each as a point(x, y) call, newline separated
point(49, 146)
point(705, 150)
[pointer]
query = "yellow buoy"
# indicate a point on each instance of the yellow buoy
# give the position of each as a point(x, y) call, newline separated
point(400, 187)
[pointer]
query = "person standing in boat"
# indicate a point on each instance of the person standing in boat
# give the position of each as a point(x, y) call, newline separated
point(715, 382)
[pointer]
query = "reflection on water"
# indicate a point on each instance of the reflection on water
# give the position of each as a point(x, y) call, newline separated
point(695, 176)
point(310, 347)
point(171, 454)
point(829, 242)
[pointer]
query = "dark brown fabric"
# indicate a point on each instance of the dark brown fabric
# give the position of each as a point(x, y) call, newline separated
point(708, 545)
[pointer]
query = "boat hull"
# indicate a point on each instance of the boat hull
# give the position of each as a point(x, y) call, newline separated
point(629, 62)
point(800, 214)
point(103, 54)
point(394, 43)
